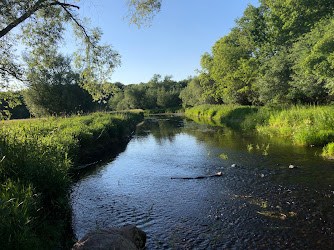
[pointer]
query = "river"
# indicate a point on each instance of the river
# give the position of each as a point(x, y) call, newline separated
point(259, 204)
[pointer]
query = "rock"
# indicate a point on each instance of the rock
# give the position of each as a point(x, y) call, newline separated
point(135, 235)
point(128, 237)
point(234, 165)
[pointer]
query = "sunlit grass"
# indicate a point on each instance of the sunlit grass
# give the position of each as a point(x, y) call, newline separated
point(305, 125)
point(36, 156)
point(328, 150)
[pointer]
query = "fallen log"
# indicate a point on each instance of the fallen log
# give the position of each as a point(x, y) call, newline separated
point(86, 165)
point(199, 177)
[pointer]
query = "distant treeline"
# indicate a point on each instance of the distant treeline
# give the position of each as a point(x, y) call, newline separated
point(45, 99)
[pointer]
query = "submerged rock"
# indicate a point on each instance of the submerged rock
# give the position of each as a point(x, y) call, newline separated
point(128, 237)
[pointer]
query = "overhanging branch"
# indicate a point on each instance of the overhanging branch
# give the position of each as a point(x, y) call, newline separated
point(22, 18)
point(80, 26)
point(38, 5)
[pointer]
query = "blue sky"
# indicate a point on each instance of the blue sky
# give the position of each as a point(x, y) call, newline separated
point(173, 45)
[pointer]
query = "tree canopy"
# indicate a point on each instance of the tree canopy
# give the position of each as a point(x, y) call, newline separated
point(279, 52)
point(40, 24)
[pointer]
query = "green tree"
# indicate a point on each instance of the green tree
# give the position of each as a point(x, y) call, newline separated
point(141, 13)
point(192, 95)
point(287, 20)
point(232, 68)
point(12, 106)
point(275, 78)
point(54, 89)
point(168, 98)
point(41, 24)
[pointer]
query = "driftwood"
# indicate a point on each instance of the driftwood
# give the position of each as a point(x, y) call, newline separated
point(86, 165)
point(198, 177)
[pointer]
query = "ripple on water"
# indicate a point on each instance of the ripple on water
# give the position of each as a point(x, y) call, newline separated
point(255, 205)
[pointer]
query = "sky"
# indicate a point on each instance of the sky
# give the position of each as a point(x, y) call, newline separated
point(181, 32)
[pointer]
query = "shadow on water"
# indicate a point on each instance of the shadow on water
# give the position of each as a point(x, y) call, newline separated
point(100, 161)
point(259, 204)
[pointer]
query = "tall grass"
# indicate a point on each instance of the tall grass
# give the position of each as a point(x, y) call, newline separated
point(243, 117)
point(35, 159)
point(305, 125)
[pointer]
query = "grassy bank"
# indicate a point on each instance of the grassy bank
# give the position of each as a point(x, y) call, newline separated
point(36, 157)
point(148, 112)
point(305, 125)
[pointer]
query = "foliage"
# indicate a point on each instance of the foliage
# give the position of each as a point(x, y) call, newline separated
point(274, 83)
point(232, 69)
point(192, 95)
point(328, 150)
point(18, 212)
point(305, 125)
point(40, 25)
point(157, 93)
point(54, 88)
point(236, 116)
point(278, 52)
point(12, 106)
point(142, 12)
point(313, 56)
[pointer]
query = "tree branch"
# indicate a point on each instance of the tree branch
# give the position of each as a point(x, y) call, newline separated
point(65, 4)
point(38, 5)
point(22, 18)
point(11, 73)
point(77, 23)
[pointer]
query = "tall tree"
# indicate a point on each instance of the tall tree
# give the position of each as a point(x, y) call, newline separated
point(39, 24)
point(232, 68)
point(54, 89)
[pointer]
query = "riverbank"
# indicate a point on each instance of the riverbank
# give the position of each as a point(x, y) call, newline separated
point(305, 125)
point(36, 159)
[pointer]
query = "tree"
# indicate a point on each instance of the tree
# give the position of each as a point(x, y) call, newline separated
point(232, 68)
point(142, 12)
point(11, 106)
point(274, 80)
point(287, 20)
point(40, 24)
point(54, 88)
point(192, 95)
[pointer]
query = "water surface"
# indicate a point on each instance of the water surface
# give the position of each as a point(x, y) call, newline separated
point(261, 203)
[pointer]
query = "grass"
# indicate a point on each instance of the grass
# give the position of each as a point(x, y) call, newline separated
point(328, 151)
point(36, 158)
point(305, 125)
point(241, 117)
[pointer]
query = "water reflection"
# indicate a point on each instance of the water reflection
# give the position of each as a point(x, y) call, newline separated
point(259, 204)
point(161, 127)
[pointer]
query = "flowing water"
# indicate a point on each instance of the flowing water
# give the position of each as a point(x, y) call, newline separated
point(258, 204)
